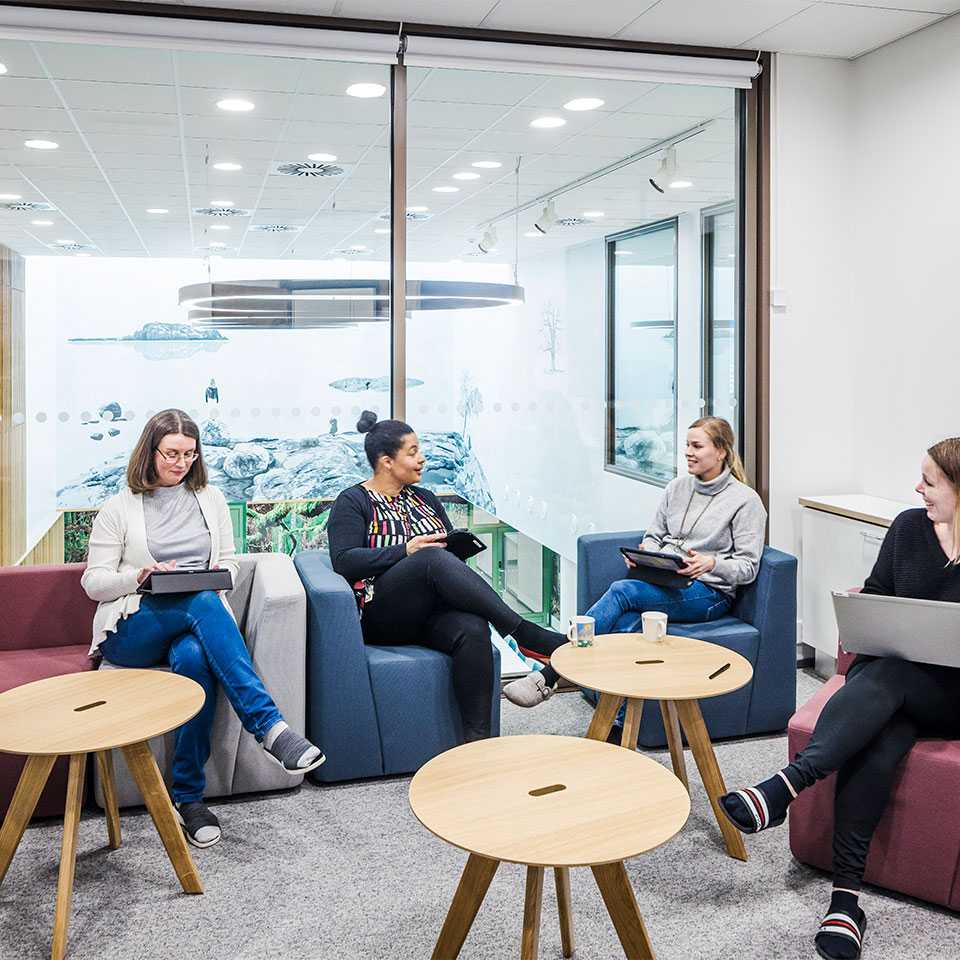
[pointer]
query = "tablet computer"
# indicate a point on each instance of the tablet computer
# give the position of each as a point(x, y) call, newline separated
point(464, 544)
point(185, 581)
point(659, 569)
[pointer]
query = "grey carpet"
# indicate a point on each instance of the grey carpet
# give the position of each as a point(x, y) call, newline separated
point(347, 872)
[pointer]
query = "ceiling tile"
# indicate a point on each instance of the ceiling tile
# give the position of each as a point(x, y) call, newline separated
point(467, 13)
point(926, 6)
point(72, 61)
point(476, 86)
point(565, 16)
point(834, 30)
point(708, 22)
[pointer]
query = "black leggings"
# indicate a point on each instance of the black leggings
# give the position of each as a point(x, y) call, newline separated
point(864, 731)
point(433, 599)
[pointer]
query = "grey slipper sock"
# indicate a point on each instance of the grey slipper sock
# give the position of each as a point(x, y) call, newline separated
point(293, 751)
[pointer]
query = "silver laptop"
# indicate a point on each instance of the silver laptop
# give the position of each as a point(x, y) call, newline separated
point(927, 631)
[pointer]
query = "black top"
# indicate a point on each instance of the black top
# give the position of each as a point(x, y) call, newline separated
point(912, 562)
point(350, 534)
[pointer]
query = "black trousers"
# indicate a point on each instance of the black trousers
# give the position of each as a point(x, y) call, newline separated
point(865, 730)
point(434, 599)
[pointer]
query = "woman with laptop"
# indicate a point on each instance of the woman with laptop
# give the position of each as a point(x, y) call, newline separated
point(886, 703)
point(168, 517)
point(389, 539)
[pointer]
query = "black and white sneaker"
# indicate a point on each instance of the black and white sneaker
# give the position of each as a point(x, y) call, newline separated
point(199, 823)
point(294, 754)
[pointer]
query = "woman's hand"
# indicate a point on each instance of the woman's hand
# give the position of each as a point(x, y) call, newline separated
point(697, 564)
point(146, 571)
point(630, 564)
point(424, 541)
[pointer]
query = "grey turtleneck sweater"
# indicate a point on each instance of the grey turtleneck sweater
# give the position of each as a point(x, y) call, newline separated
point(722, 517)
point(175, 527)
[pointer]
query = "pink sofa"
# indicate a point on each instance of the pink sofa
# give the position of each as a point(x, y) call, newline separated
point(45, 631)
point(916, 849)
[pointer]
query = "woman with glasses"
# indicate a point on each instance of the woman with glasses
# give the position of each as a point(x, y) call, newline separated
point(169, 516)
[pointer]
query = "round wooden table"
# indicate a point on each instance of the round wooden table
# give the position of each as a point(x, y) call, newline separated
point(678, 672)
point(544, 801)
point(94, 712)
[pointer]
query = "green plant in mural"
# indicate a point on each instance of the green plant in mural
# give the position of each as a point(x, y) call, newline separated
point(287, 527)
point(76, 534)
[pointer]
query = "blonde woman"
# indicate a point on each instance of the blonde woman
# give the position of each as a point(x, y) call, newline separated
point(711, 518)
point(872, 721)
point(169, 516)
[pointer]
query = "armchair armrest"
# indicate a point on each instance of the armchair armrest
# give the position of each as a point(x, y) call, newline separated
point(341, 716)
point(599, 563)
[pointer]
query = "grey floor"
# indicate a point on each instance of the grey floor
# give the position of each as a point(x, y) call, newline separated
point(347, 872)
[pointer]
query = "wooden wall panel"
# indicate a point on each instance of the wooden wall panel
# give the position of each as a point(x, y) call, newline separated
point(48, 549)
point(13, 431)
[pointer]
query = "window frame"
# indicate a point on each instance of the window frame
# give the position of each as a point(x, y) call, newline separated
point(610, 440)
point(708, 214)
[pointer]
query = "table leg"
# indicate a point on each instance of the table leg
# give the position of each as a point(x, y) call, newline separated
point(603, 716)
point(622, 906)
point(32, 780)
point(105, 763)
point(532, 906)
point(702, 749)
point(671, 723)
point(68, 854)
point(144, 771)
point(631, 723)
point(564, 908)
point(472, 888)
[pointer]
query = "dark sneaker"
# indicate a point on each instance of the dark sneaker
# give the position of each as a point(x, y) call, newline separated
point(199, 824)
point(294, 754)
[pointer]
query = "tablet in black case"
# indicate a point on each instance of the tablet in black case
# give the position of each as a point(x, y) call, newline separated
point(464, 544)
point(186, 581)
point(660, 569)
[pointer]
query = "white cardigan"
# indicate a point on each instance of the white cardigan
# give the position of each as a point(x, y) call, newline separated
point(118, 552)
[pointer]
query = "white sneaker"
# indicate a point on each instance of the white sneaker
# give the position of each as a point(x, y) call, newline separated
point(528, 691)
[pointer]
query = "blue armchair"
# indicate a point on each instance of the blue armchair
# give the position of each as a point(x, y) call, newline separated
point(373, 710)
point(761, 625)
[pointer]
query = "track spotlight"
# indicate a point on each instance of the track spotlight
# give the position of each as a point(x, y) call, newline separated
point(488, 242)
point(669, 174)
point(546, 219)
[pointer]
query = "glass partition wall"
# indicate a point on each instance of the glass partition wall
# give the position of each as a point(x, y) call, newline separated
point(213, 231)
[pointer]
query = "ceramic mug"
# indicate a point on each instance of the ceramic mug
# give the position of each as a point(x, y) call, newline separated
point(580, 632)
point(654, 626)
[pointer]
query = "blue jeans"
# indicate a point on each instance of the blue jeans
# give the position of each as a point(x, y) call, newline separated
point(697, 604)
point(195, 634)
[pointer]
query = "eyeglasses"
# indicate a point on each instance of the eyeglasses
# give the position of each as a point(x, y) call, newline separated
point(172, 456)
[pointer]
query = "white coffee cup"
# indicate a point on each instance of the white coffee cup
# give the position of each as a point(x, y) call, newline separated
point(580, 633)
point(654, 627)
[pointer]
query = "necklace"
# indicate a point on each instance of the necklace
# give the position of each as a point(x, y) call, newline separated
point(680, 540)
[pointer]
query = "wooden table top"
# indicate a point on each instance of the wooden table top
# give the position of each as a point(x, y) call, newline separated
point(611, 666)
point(95, 710)
point(549, 801)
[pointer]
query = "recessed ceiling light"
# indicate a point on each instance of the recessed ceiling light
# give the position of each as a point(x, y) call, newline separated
point(217, 245)
point(533, 234)
point(623, 253)
point(235, 105)
point(42, 223)
point(547, 123)
point(487, 164)
point(583, 103)
point(10, 196)
point(417, 209)
point(3, 68)
point(41, 144)
point(157, 210)
point(466, 175)
point(227, 166)
point(322, 157)
point(221, 203)
point(593, 214)
point(446, 189)
point(366, 90)
point(219, 226)
point(382, 230)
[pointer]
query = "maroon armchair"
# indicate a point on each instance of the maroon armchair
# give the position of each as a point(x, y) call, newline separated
point(916, 849)
point(46, 622)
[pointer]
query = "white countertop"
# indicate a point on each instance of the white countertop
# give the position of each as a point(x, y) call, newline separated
point(858, 506)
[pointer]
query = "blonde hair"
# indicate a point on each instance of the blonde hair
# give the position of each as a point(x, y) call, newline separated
point(721, 436)
point(946, 455)
point(141, 468)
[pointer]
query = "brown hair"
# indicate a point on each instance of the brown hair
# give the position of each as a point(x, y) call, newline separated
point(721, 436)
point(946, 455)
point(142, 471)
